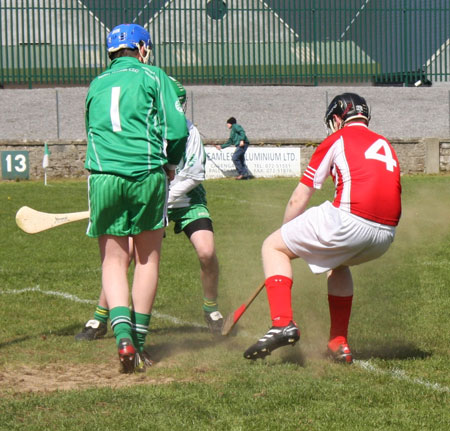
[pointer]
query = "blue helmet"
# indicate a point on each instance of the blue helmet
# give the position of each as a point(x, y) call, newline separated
point(127, 36)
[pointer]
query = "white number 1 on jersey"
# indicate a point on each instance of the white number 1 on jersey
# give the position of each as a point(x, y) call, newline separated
point(373, 153)
point(114, 109)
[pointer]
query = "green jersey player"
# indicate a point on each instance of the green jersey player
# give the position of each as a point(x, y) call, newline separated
point(136, 132)
point(188, 211)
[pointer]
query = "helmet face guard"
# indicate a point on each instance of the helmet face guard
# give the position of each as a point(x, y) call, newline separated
point(346, 106)
point(131, 36)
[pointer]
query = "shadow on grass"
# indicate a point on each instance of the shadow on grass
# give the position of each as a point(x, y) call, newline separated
point(392, 351)
point(66, 331)
point(161, 351)
point(16, 341)
point(284, 355)
point(69, 330)
point(294, 356)
point(180, 343)
point(179, 330)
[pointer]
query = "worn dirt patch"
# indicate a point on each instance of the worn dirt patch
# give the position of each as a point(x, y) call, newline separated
point(49, 378)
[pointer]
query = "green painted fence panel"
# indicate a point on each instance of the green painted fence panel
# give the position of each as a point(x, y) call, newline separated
point(295, 42)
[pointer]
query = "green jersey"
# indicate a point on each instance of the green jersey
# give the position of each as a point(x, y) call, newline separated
point(134, 120)
point(237, 134)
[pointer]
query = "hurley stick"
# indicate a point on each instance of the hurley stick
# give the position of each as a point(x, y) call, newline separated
point(32, 221)
point(233, 317)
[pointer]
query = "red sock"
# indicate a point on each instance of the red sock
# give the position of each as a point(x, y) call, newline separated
point(340, 310)
point(278, 288)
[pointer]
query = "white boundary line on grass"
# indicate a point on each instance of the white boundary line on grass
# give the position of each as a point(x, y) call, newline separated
point(47, 292)
point(365, 365)
point(401, 375)
point(74, 298)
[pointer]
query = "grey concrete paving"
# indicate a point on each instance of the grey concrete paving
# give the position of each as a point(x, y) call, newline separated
point(267, 113)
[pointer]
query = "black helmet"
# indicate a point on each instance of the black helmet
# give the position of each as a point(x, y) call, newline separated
point(347, 106)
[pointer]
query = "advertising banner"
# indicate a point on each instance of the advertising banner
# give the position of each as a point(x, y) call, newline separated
point(262, 162)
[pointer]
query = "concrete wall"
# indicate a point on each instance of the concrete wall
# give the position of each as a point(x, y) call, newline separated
point(416, 120)
point(266, 113)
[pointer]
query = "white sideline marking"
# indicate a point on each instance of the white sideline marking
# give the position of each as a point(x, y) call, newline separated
point(401, 375)
point(75, 298)
point(176, 320)
point(365, 365)
point(48, 292)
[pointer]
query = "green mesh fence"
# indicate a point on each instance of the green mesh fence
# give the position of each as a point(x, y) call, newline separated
point(309, 42)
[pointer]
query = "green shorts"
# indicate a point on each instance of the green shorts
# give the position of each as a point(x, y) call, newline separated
point(183, 216)
point(125, 206)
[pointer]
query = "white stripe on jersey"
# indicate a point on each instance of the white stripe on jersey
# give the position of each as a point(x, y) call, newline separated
point(339, 169)
point(114, 110)
point(310, 172)
point(323, 170)
point(344, 169)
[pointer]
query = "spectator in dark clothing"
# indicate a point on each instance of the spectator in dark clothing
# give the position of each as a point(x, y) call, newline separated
point(239, 139)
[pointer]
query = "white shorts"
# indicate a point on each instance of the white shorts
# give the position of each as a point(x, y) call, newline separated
point(327, 237)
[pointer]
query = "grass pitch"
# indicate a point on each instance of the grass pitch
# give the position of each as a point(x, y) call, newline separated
point(399, 331)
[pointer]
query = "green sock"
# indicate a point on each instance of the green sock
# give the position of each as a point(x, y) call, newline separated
point(210, 305)
point(121, 323)
point(140, 324)
point(101, 314)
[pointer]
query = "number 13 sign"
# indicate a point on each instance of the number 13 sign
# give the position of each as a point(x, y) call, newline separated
point(15, 165)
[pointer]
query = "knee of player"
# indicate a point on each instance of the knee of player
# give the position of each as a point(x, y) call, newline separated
point(268, 244)
point(207, 256)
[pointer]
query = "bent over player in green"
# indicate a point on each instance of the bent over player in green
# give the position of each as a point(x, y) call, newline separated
point(188, 211)
point(136, 132)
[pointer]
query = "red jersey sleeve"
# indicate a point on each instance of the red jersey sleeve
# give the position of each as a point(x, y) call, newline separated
point(320, 165)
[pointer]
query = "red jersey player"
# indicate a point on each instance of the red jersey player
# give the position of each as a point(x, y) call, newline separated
point(358, 226)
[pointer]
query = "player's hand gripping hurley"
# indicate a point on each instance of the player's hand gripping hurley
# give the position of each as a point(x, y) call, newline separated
point(32, 221)
point(233, 317)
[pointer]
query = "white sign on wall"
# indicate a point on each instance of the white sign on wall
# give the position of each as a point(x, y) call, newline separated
point(262, 162)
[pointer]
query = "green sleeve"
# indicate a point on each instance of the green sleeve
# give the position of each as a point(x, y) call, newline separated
point(227, 144)
point(175, 150)
point(173, 120)
point(86, 114)
point(170, 111)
